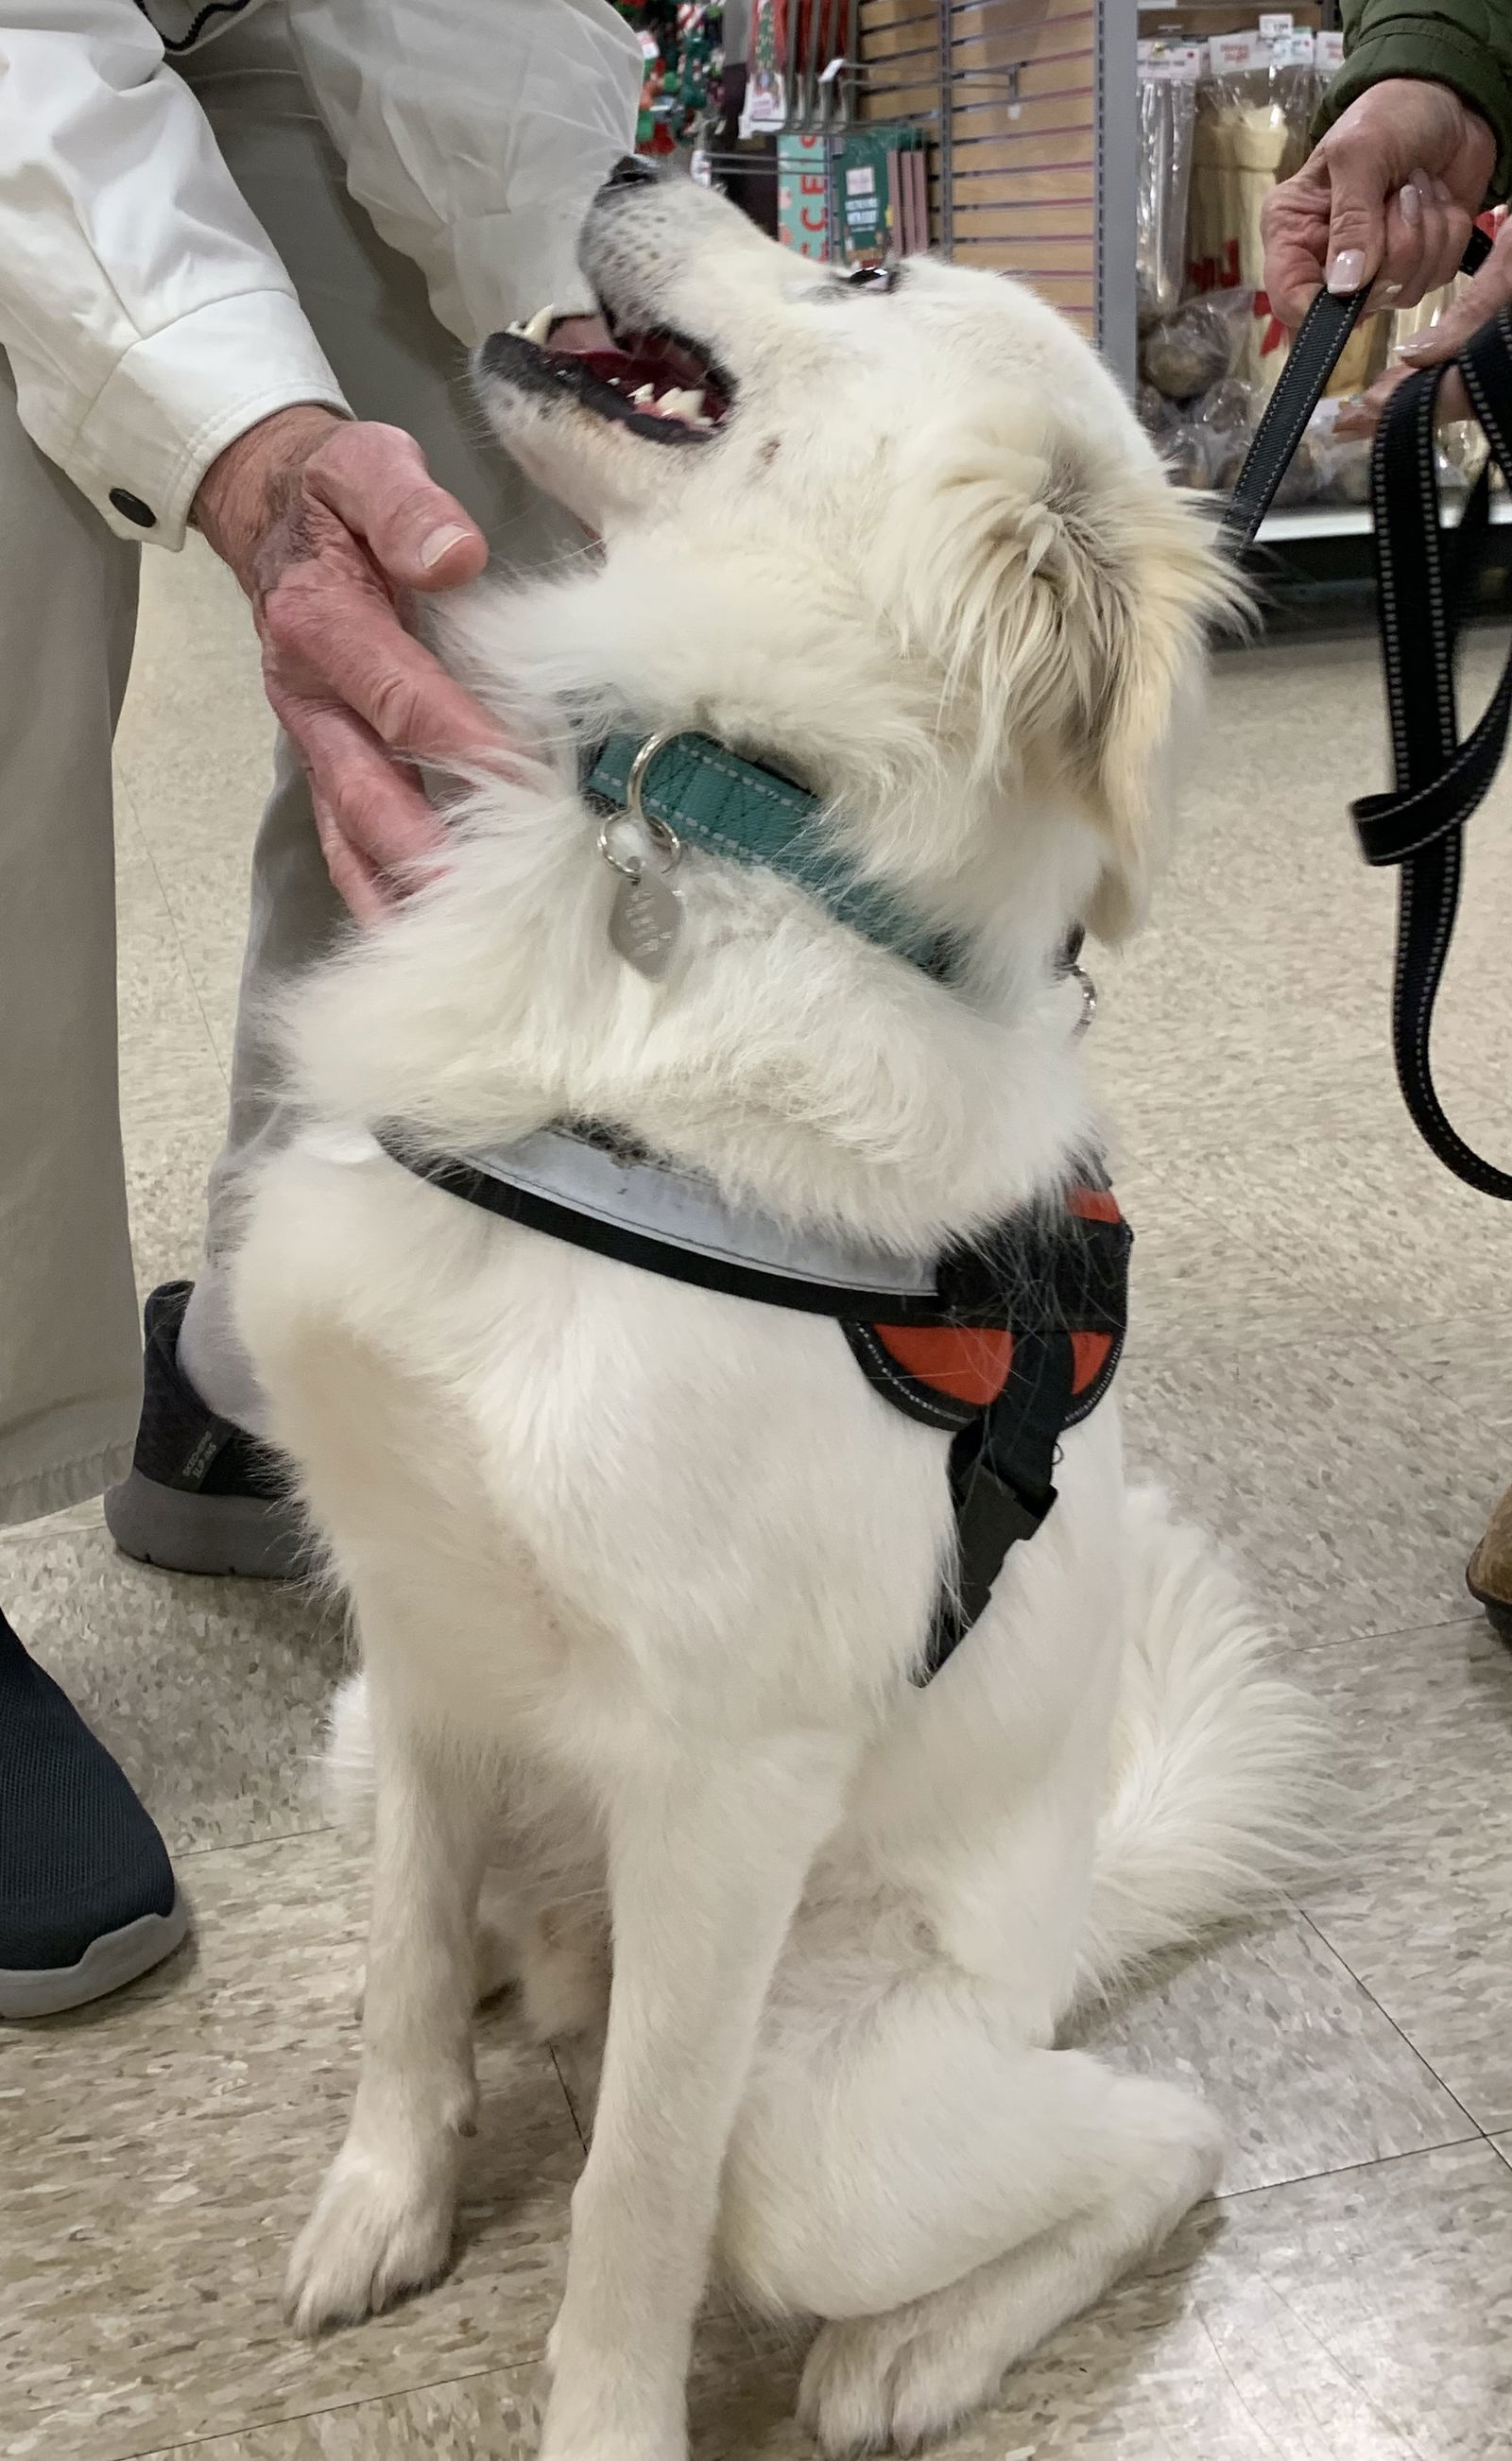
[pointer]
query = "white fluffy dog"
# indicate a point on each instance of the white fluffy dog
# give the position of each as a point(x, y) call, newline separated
point(640, 1571)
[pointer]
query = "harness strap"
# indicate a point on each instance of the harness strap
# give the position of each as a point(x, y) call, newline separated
point(1006, 1394)
point(1001, 1485)
point(953, 1351)
point(642, 1213)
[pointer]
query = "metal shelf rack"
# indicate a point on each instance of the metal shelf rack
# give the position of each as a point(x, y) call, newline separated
point(1030, 108)
point(1029, 113)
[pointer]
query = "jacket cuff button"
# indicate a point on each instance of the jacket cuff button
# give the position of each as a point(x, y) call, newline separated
point(133, 507)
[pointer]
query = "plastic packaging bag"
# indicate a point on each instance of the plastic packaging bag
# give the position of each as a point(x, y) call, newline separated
point(1189, 352)
point(1254, 108)
point(1167, 106)
point(1254, 113)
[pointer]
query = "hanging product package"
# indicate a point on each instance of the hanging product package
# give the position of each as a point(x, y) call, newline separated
point(802, 191)
point(681, 45)
point(766, 104)
point(1253, 109)
point(1254, 116)
point(1167, 102)
point(881, 192)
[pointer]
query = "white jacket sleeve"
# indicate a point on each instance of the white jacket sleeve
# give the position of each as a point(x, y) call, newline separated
point(473, 133)
point(147, 320)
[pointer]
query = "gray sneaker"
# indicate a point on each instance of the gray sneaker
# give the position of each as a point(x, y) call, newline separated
point(202, 1495)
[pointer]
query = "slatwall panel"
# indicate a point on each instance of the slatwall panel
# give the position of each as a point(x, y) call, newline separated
point(1009, 88)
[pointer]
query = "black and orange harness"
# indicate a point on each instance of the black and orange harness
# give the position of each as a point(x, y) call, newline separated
point(1030, 1334)
point(1001, 1344)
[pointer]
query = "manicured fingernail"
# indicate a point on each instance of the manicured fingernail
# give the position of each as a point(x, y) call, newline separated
point(1410, 202)
point(1414, 349)
point(441, 542)
point(1347, 269)
point(1388, 291)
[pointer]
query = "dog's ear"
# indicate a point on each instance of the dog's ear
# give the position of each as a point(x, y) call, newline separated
point(1066, 588)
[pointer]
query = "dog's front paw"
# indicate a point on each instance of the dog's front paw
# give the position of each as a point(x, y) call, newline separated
point(591, 2417)
point(378, 2231)
point(889, 2384)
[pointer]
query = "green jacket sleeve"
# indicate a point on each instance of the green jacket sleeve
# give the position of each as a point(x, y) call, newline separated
point(1466, 44)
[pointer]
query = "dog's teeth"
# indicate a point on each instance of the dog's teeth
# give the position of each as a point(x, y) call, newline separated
point(678, 404)
point(644, 392)
point(516, 328)
point(539, 326)
point(693, 403)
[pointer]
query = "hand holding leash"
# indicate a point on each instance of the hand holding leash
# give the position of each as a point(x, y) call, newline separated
point(1386, 197)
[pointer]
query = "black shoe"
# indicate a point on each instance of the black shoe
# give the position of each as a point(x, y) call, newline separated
point(202, 1495)
point(87, 1894)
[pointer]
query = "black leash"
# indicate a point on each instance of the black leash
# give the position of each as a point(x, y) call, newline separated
point(1424, 574)
point(1299, 389)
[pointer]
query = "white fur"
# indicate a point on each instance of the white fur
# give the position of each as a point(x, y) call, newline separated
point(640, 1571)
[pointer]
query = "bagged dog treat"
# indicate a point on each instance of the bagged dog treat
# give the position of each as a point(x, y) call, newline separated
point(1190, 454)
point(1254, 111)
point(1226, 417)
point(1186, 353)
point(1159, 418)
point(1300, 485)
point(1167, 106)
point(1254, 108)
point(1207, 445)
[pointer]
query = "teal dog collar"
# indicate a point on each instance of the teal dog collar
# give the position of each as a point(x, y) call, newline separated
point(710, 798)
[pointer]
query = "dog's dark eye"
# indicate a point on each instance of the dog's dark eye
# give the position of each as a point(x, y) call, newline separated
point(872, 277)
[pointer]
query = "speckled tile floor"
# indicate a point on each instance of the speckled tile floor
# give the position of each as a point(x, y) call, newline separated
point(1321, 1366)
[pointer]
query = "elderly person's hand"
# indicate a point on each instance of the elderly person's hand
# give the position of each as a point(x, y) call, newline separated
point(329, 524)
point(1386, 197)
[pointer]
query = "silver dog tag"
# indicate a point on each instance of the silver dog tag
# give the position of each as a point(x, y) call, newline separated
point(645, 921)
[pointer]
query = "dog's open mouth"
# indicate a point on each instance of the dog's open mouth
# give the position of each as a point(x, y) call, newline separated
point(660, 383)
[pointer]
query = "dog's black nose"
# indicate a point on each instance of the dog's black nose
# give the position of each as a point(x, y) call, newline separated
point(631, 171)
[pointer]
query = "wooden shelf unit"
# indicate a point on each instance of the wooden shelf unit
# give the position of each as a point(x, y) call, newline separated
point(1030, 106)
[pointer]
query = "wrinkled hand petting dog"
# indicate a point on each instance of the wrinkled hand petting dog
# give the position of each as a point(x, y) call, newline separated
point(644, 1571)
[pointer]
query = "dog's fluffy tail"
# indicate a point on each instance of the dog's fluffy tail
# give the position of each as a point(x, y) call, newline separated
point(1217, 1784)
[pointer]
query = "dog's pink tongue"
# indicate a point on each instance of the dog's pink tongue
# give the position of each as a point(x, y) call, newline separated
point(662, 366)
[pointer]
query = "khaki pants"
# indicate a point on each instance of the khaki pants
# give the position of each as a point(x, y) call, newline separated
point(70, 1344)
